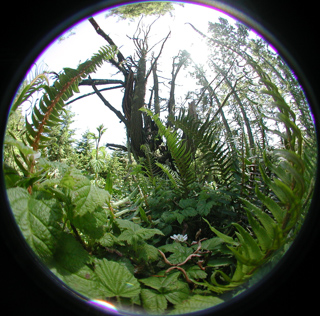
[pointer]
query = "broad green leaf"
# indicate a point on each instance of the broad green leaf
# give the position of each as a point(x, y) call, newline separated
point(85, 196)
point(180, 254)
point(116, 280)
point(147, 233)
point(164, 287)
point(194, 272)
point(161, 281)
point(153, 302)
point(196, 303)
point(212, 244)
point(83, 281)
point(69, 254)
point(126, 224)
point(108, 240)
point(69, 264)
point(38, 220)
point(11, 176)
point(67, 181)
point(91, 223)
point(26, 150)
point(148, 252)
point(204, 207)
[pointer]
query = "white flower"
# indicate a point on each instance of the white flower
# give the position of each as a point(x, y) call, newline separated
point(179, 238)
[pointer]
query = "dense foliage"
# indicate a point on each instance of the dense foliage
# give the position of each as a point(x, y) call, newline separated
point(169, 237)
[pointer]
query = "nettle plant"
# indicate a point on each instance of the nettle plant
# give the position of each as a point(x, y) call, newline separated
point(150, 254)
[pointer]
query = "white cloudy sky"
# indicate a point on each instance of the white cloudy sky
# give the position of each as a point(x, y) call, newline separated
point(90, 111)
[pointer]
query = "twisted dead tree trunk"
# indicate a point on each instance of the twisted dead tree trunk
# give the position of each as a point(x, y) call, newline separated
point(135, 74)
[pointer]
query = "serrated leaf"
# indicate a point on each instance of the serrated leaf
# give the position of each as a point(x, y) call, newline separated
point(212, 243)
point(153, 302)
point(69, 254)
point(148, 252)
point(116, 280)
point(108, 240)
point(38, 220)
point(196, 303)
point(181, 254)
point(91, 223)
point(85, 196)
point(194, 272)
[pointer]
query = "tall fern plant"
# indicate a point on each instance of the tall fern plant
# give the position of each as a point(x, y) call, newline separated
point(205, 152)
point(46, 114)
point(274, 222)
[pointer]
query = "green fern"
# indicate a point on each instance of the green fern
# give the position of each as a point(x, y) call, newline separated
point(46, 114)
point(211, 156)
point(273, 224)
point(181, 155)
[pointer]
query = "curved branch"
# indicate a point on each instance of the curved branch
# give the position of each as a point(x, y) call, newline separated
point(106, 102)
point(89, 82)
point(91, 93)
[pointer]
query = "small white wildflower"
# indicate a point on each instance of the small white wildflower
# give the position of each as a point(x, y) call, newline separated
point(179, 237)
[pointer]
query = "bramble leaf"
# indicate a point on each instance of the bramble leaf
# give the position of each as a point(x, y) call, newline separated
point(38, 217)
point(116, 280)
point(196, 303)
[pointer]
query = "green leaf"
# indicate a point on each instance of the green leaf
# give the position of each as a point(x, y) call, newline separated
point(91, 223)
point(85, 196)
point(195, 272)
point(267, 222)
point(148, 252)
point(69, 254)
point(225, 238)
point(180, 254)
point(196, 303)
point(272, 206)
point(69, 264)
point(204, 207)
point(116, 280)
point(249, 244)
point(164, 288)
point(108, 240)
point(153, 302)
point(212, 244)
point(38, 219)
point(264, 239)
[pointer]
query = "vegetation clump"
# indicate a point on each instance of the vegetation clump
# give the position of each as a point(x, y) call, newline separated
point(195, 205)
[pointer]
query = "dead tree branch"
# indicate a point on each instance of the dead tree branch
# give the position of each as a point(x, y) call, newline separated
point(106, 102)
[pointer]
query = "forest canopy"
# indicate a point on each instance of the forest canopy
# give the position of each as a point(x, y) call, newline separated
point(208, 192)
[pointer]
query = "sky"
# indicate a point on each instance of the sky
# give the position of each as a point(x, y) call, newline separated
point(74, 49)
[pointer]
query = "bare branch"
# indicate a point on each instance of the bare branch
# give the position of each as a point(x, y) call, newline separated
point(89, 82)
point(114, 146)
point(91, 93)
point(156, 59)
point(121, 58)
point(115, 111)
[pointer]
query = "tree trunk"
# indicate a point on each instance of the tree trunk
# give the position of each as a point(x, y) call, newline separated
point(136, 123)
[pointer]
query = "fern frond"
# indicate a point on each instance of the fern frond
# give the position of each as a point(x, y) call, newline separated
point(181, 155)
point(213, 155)
point(47, 113)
